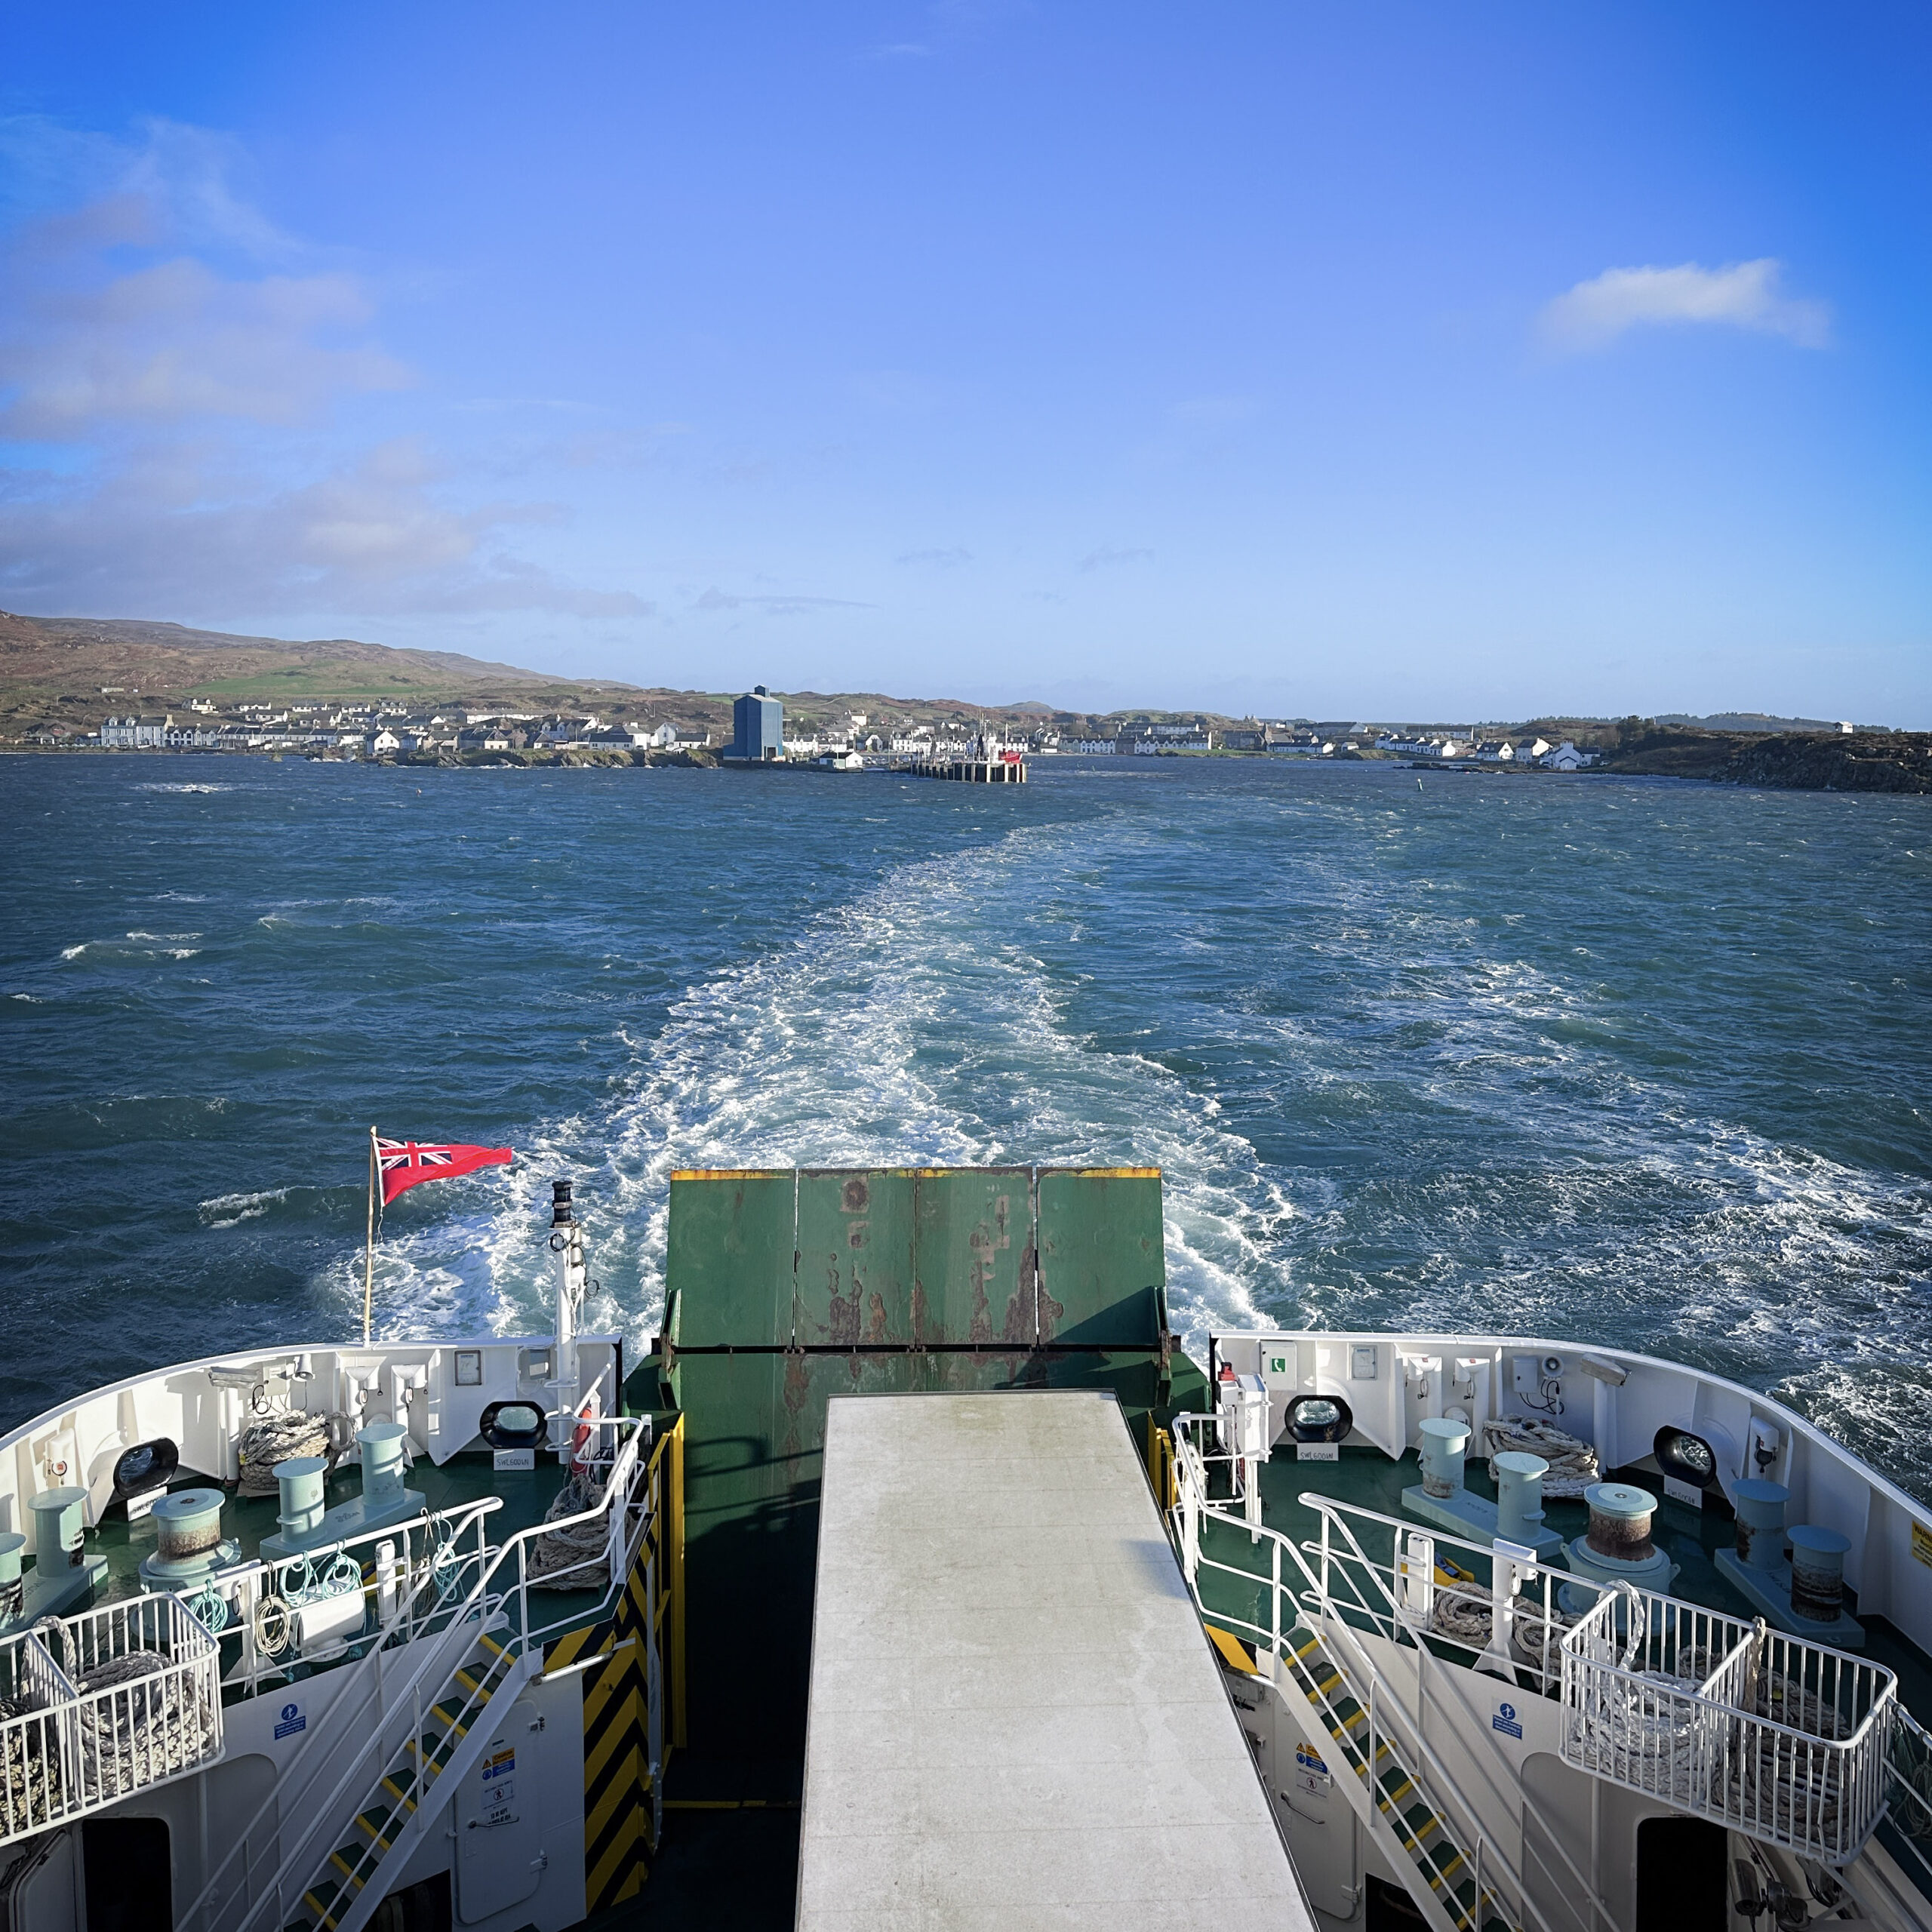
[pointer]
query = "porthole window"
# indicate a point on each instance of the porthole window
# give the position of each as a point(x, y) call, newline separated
point(1319, 1419)
point(511, 1426)
point(145, 1466)
point(1686, 1458)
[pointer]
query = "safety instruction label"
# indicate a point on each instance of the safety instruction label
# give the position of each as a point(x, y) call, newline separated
point(291, 1720)
point(499, 1787)
point(1506, 1721)
point(1921, 1544)
point(1311, 1773)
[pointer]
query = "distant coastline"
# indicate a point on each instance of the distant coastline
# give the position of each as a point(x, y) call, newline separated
point(211, 694)
point(1896, 762)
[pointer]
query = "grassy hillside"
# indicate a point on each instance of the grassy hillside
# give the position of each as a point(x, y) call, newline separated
point(71, 672)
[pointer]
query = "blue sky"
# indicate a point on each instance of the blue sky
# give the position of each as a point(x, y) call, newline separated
point(1408, 361)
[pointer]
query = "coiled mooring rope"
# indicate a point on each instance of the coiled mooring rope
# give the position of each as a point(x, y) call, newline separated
point(576, 1557)
point(274, 1439)
point(1573, 1464)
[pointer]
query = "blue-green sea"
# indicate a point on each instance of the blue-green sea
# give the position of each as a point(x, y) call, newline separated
point(1634, 1061)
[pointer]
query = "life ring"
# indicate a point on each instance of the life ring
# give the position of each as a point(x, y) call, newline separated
point(588, 1416)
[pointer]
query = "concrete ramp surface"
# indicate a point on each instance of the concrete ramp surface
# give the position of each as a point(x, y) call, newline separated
point(1016, 1720)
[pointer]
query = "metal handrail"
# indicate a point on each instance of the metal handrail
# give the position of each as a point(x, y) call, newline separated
point(1426, 1661)
point(1419, 1751)
point(253, 1581)
point(458, 1616)
point(76, 1750)
point(1812, 1779)
point(365, 1685)
point(478, 1606)
point(1915, 1825)
point(1395, 1626)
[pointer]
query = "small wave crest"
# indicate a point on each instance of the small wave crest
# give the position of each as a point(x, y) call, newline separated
point(230, 1210)
point(153, 785)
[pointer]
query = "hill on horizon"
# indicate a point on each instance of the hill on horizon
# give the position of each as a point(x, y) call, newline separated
point(1746, 721)
point(70, 672)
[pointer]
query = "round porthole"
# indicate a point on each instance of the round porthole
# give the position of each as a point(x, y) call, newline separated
point(147, 1465)
point(1319, 1419)
point(511, 1426)
point(1686, 1458)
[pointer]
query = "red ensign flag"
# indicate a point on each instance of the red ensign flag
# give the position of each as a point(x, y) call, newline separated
point(404, 1163)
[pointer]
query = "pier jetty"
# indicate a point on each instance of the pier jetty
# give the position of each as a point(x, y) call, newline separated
point(971, 770)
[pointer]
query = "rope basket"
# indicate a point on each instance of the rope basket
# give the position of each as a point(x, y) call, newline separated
point(154, 1729)
point(1798, 1784)
point(1573, 1464)
point(151, 1731)
point(273, 1439)
point(577, 1559)
point(1639, 1730)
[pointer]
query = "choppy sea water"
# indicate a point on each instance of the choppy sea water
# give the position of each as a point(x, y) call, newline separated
point(1631, 1061)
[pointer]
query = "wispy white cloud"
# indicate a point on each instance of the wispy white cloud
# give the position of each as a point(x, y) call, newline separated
point(1106, 556)
point(175, 341)
point(182, 180)
point(176, 528)
point(167, 336)
point(1744, 295)
point(714, 599)
point(946, 560)
point(944, 24)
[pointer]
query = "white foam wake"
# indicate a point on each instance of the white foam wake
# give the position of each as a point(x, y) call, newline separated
point(913, 1025)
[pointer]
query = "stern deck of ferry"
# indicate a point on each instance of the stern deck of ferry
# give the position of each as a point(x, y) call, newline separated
point(1366, 1478)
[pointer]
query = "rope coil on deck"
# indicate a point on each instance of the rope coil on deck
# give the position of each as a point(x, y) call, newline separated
point(577, 1559)
point(150, 1731)
point(1573, 1464)
point(274, 1439)
point(1465, 1615)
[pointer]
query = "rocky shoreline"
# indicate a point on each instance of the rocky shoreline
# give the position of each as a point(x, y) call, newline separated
point(1801, 761)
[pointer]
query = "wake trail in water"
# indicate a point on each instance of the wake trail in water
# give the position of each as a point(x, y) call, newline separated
point(911, 1026)
point(1530, 1179)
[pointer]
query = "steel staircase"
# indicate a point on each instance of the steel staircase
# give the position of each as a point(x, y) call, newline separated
point(412, 1788)
point(1388, 1791)
point(1426, 1826)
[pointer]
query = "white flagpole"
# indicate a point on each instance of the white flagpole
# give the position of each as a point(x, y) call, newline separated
point(369, 1247)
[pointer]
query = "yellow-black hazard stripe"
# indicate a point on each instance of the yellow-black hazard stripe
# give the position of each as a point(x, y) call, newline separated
point(616, 1810)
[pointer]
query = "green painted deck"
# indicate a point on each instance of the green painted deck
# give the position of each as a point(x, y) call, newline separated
point(1369, 1480)
point(525, 1494)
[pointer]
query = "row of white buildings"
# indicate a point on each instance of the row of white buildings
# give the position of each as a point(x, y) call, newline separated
point(1538, 751)
point(1299, 741)
point(369, 733)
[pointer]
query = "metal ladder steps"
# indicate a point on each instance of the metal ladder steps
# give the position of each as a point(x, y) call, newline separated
point(417, 1766)
point(1416, 1827)
point(1437, 1863)
point(323, 1902)
point(380, 1828)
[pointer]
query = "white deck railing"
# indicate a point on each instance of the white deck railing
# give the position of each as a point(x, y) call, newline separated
point(382, 1701)
point(110, 1702)
point(1294, 1597)
point(1785, 1741)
